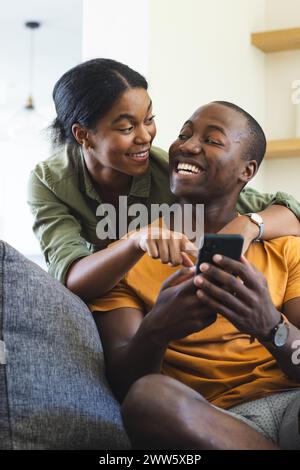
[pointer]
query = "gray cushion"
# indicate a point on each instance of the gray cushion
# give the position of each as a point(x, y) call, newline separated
point(53, 392)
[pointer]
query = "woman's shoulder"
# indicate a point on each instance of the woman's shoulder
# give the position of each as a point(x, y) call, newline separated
point(60, 165)
point(159, 159)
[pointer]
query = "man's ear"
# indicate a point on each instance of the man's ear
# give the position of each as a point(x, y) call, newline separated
point(81, 134)
point(249, 171)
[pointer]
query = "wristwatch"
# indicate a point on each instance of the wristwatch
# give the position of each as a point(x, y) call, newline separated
point(257, 220)
point(280, 333)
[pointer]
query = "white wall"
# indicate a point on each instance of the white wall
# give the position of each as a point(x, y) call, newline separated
point(200, 51)
point(196, 51)
point(57, 48)
point(191, 52)
point(117, 30)
point(282, 69)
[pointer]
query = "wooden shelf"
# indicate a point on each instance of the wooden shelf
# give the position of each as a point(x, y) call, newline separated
point(289, 148)
point(277, 40)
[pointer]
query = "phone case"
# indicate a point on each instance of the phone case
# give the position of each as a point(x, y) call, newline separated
point(227, 245)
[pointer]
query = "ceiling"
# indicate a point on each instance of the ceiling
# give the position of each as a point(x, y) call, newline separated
point(55, 14)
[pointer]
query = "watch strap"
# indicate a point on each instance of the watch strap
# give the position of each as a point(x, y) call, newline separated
point(272, 334)
point(260, 224)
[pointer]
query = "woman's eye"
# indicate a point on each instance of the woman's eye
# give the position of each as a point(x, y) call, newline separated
point(182, 137)
point(127, 130)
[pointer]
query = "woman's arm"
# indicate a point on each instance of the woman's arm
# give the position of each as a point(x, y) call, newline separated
point(251, 200)
point(56, 228)
point(97, 274)
point(280, 213)
point(278, 222)
point(66, 251)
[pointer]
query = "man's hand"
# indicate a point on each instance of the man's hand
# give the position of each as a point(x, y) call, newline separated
point(245, 301)
point(178, 312)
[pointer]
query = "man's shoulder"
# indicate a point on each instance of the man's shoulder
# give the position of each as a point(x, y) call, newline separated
point(287, 248)
point(282, 243)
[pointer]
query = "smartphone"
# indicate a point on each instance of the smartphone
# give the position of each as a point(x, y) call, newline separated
point(227, 245)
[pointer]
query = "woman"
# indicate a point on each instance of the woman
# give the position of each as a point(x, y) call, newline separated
point(104, 130)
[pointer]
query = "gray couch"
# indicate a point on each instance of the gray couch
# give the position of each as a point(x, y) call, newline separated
point(53, 390)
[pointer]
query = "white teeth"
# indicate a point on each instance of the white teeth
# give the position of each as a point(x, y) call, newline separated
point(142, 154)
point(183, 172)
point(186, 168)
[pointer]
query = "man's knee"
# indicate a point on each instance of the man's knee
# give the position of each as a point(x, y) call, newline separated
point(142, 393)
point(154, 406)
point(156, 393)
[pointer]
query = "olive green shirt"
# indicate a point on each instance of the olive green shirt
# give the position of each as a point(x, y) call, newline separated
point(64, 202)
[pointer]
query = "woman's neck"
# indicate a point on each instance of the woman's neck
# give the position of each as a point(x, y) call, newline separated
point(109, 183)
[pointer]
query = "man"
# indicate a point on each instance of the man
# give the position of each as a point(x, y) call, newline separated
point(202, 382)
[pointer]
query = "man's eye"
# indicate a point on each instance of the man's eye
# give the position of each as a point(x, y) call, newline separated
point(212, 141)
point(150, 119)
point(182, 137)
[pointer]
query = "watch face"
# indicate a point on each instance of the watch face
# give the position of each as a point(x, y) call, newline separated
point(281, 335)
point(257, 218)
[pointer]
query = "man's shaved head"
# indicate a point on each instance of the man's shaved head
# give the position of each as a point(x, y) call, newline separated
point(256, 142)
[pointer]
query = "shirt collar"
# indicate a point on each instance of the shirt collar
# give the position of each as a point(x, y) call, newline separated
point(85, 179)
point(141, 185)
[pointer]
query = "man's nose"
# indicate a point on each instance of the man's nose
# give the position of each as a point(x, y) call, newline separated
point(193, 146)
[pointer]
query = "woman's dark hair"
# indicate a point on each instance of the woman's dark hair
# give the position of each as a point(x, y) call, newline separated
point(87, 92)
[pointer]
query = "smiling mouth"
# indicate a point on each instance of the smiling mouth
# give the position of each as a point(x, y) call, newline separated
point(188, 169)
point(138, 155)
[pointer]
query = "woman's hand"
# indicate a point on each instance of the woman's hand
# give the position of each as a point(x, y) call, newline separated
point(243, 226)
point(170, 247)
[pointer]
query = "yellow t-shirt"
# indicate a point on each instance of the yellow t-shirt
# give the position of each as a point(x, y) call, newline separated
point(219, 362)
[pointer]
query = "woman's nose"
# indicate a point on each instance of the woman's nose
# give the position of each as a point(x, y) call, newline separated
point(143, 136)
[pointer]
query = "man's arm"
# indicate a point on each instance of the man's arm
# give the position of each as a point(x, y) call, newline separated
point(134, 345)
point(130, 349)
point(284, 355)
point(248, 305)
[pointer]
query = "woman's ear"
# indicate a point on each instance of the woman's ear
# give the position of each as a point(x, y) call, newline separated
point(249, 171)
point(80, 134)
